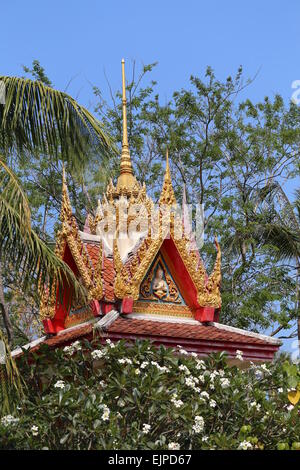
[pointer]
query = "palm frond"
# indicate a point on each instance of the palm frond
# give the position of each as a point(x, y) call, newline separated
point(12, 195)
point(37, 118)
point(11, 388)
point(285, 239)
point(21, 249)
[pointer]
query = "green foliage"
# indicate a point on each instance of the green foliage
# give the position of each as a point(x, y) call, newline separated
point(40, 129)
point(229, 153)
point(11, 389)
point(38, 119)
point(34, 262)
point(140, 397)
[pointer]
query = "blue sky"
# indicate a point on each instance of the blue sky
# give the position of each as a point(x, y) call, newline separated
point(80, 40)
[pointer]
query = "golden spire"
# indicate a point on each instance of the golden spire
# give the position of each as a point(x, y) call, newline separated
point(167, 193)
point(66, 208)
point(126, 178)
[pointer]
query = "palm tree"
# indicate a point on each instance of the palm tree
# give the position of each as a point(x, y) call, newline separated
point(39, 119)
point(10, 381)
point(36, 119)
point(281, 228)
point(33, 260)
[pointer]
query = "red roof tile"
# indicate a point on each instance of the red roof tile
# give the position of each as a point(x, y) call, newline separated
point(178, 332)
point(93, 252)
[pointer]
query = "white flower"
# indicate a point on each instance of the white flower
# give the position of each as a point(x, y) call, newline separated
point(60, 384)
point(137, 371)
point(160, 368)
point(213, 375)
point(76, 346)
point(97, 354)
point(102, 383)
point(193, 354)
point(280, 390)
point(9, 420)
point(184, 369)
point(125, 360)
point(205, 438)
point(106, 413)
point(146, 428)
point(255, 405)
point(144, 364)
point(189, 381)
point(177, 403)
point(68, 349)
point(204, 395)
point(183, 351)
point(121, 403)
point(110, 344)
point(290, 407)
point(200, 365)
point(173, 446)
point(245, 445)
point(199, 424)
point(265, 368)
point(224, 382)
point(212, 403)
point(34, 430)
point(239, 355)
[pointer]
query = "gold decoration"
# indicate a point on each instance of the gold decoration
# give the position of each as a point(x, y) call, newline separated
point(159, 308)
point(97, 290)
point(167, 196)
point(72, 320)
point(213, 295)
point(69, 234)
point(170, 294)
point(130, 277)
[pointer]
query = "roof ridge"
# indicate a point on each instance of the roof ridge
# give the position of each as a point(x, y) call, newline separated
point(234, 329)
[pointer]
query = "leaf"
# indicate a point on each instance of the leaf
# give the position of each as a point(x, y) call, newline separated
point(294, 397)
point(292, 382)
point(64, 438)
point(38, 119)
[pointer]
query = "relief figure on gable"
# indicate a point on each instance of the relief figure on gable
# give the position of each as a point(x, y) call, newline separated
point(159, 286)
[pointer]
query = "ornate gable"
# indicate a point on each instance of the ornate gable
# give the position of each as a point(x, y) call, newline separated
point(148, 263)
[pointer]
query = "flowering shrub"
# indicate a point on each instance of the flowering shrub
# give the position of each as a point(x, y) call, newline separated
point(88, 396)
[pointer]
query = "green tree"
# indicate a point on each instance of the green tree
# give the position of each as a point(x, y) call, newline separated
point(36, 121)
point(226, 151)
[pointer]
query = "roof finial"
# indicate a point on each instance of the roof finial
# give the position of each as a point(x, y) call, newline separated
point(167, 174)
point(125, 136)
point(167, 194)
point(66, 208)
point(126, 178)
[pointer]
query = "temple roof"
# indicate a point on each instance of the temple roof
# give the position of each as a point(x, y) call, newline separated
point(191, 335)
point(145, 266)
